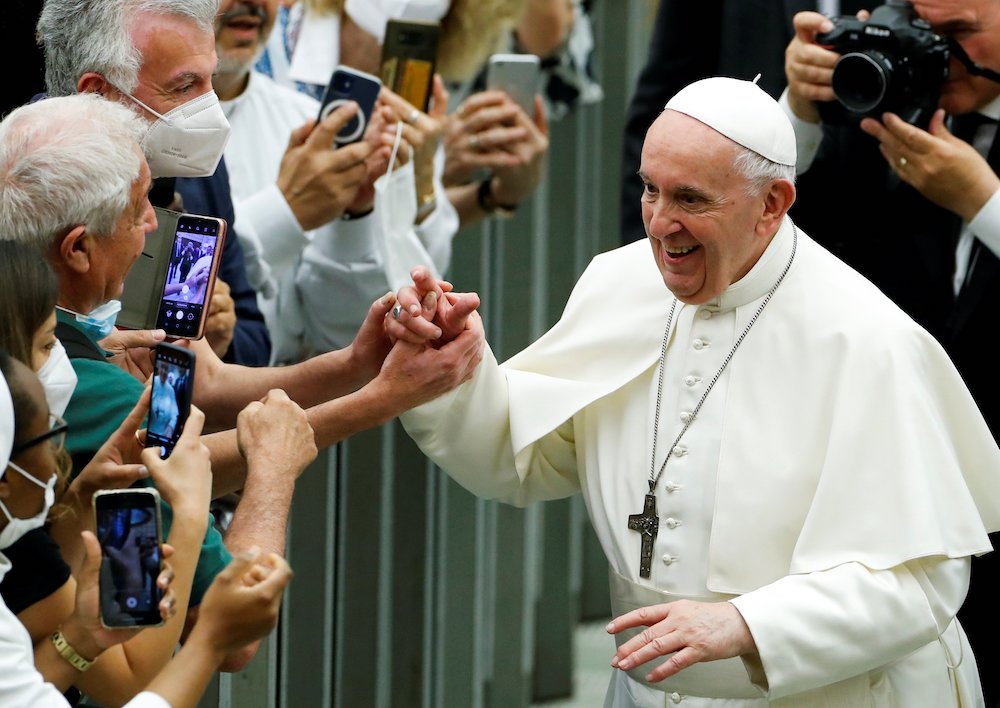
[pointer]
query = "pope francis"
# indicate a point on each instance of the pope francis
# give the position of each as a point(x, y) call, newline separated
point(786, 473)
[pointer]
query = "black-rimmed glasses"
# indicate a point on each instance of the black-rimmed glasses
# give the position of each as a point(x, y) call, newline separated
point(56, 434)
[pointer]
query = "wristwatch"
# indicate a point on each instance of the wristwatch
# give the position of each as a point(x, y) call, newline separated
point(484, 197)
point(67, 652)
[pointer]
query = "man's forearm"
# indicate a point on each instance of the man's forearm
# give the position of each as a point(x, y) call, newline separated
point(309, 383)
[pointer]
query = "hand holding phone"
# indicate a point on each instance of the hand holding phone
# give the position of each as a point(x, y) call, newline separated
point(347, 84)
point(169, 286)
point(517, 75)
point(409, 54)
point(173, 385)
point(129, 529)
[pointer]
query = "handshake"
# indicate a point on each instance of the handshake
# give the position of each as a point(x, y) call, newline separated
point(428, 313)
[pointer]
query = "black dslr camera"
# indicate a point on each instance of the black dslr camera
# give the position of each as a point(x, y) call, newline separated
point(894, 63)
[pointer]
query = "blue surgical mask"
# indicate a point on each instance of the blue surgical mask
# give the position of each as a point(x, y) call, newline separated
point(100, 321)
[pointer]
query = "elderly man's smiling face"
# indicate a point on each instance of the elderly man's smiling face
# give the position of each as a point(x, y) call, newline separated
point(704, 228)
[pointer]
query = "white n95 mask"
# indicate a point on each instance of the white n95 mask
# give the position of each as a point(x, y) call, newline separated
point(16, 528)
point(58, 379)
point(397, 242)
point(189, 140)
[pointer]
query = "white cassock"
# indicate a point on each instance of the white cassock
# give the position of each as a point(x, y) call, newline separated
point(832, 486)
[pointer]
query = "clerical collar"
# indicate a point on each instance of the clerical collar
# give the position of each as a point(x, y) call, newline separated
point(755, 284)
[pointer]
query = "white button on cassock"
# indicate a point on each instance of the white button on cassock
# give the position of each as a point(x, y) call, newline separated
point(672, 487)
point(692, 380)
point(699, 344)
point(680, 450)
point(685, 416)
point(705, 314)
point(672, 523)
point(669, 559)
point(676, 697)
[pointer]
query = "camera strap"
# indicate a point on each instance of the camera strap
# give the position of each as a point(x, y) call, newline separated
point(971, 66)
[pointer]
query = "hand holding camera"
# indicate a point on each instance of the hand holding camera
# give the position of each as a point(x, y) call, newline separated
point(843, 69)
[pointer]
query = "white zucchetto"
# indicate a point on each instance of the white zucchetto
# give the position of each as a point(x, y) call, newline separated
point(743, 112)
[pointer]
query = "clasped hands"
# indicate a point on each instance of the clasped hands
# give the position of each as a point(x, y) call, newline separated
point(431, 314)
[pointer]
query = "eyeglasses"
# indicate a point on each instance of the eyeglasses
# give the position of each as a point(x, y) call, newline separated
point(56, 434)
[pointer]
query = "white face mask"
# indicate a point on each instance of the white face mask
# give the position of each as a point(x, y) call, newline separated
point(58, 379)
point(189, 140)
point(395, 211)
point(16, 527)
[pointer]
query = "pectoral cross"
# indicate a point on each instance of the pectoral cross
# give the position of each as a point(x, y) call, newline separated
point(648, 524)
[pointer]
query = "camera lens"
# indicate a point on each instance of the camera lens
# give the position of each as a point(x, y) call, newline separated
point(861, 79)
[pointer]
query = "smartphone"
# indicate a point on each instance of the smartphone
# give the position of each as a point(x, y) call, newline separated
point(128, 528)
point(345, 85)
point(517, 75)
point(170, 285)
point(409, 54)
point(191, 273)
point(173, 384)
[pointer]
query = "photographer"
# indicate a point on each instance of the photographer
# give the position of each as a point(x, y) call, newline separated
point(931, 234)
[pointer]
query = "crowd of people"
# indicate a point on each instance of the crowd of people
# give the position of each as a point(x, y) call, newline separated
point(806, 389)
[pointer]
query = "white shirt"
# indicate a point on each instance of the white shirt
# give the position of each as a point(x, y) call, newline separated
point(20, 682)
point(323, 281)
point(788, 478)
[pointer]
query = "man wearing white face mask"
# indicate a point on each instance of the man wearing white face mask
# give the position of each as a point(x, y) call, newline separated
point(84, 150)
point(92, 47)
point(341, 250)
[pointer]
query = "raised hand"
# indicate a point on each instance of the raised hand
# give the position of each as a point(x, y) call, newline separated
point(318, 181)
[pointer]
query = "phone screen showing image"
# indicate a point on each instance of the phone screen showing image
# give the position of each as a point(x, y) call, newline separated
point(173, 379)
point(128, 530)
point(190, 276)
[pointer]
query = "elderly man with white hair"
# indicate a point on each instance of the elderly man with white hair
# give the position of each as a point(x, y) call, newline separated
point(157, 57)
point(786, 473)
point(73, 182)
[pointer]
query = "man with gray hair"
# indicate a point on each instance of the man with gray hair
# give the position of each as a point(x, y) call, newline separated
point(156, 56)
point(74, 183)
point(786, 473)
point(352, 389)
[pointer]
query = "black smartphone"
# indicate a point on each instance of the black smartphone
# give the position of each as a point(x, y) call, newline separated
point(191, 272)
point(128, 528)
point(409, 54)
point(345, 85)
point(518, 76)
point(173, 383)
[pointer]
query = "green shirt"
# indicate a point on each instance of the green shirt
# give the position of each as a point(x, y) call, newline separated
point(103, 398)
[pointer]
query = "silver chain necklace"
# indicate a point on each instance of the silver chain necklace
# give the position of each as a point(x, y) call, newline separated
point(647, 523)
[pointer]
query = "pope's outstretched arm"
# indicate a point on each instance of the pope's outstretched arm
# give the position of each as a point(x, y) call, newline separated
point(467, 431)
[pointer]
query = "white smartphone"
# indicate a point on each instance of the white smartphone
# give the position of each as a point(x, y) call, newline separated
point(517, 75)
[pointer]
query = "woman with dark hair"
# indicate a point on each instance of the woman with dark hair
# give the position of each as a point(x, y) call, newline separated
point(28, 291)
point(240, 607)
